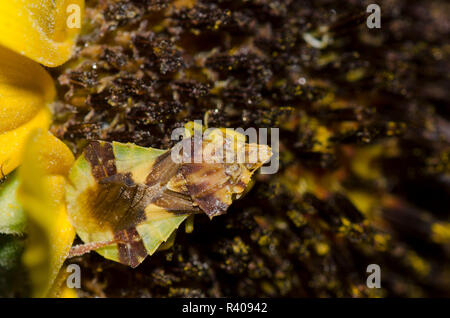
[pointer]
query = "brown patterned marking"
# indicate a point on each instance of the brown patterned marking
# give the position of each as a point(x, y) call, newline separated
point(211, 172)
point(241, 184)
point(205, 178)
point(191, 168)
point(212, 205)
point(101, 157)
point(178, 184)
point(197, 189)
point(176, 202)
point(207, 184)
point(131, 248)
point(162, 171)
point(116, 204)
point(120, 178)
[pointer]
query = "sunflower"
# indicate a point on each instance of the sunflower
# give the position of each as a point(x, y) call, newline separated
point(364, 145)
point(33, 163)
point(34, 201)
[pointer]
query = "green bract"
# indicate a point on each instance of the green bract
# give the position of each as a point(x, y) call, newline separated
point(12, 216)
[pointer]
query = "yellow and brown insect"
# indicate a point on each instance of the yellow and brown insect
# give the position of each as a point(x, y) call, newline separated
point(125, 201)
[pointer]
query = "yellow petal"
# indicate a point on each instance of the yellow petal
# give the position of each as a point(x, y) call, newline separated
point(43, 30)
point(42, 195)
point(49, 154)
point(25, 90)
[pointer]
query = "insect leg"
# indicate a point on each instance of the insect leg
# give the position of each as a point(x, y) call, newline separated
point(82, 249)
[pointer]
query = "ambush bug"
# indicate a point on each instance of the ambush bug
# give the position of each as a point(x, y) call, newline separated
point(126, 201)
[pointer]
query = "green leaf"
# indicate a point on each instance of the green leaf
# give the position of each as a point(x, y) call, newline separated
point(10, 249)
point(12, 216)
point(13, 277)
